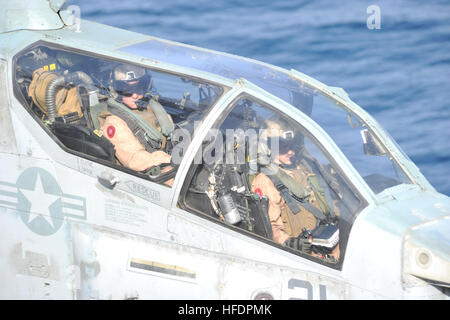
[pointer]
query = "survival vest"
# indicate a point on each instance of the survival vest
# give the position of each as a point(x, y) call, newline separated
point(310, 193)
point(148, 135)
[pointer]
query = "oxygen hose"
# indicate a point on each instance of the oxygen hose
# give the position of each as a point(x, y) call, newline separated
point(56, 84)
point(50, 96)
point(78, 75)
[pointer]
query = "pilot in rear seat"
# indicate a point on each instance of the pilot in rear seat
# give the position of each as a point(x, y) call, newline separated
point(293, 220)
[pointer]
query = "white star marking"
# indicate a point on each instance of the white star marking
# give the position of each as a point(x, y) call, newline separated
point(40, 202)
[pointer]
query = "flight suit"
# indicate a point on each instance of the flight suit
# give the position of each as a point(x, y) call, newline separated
point(284, 223)
point(128, 149)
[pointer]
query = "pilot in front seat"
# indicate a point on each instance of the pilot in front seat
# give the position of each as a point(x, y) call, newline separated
point(138, 129)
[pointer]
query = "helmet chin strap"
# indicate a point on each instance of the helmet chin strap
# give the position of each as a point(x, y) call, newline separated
point(293, 165)
point(141, 104)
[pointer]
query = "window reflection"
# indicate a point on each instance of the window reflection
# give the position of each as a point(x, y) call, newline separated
point(114, 111)
point(284, 190)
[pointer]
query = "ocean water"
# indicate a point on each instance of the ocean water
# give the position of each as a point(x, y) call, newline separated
point(399, 73)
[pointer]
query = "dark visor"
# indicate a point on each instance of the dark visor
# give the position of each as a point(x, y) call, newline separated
point(128, 88)
point(285, 145)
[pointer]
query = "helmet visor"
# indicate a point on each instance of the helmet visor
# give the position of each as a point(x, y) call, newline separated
point(285, 145)
point(129, 87)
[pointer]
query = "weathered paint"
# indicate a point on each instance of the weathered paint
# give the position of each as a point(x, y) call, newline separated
point(105, 230)
point(35, 15)
point(7, 137)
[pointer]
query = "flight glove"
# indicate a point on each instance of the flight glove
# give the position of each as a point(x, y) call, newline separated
point(300, 243)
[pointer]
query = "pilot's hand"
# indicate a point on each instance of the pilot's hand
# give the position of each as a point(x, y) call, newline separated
point(160, 157)
point(300, 243)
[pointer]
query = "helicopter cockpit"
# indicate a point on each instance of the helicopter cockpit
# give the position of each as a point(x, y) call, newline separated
point(68, 92)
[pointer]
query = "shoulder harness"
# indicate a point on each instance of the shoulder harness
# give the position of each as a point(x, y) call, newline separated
point(295, 200)
point(147, 135)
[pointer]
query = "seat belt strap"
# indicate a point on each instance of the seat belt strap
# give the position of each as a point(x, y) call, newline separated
point(147, 135)
point(294, 203)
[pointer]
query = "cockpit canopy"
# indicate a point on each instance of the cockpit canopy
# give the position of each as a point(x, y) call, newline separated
point(354, 137)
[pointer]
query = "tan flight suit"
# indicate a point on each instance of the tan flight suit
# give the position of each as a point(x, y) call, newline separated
point(284, 223)
point(129, 151)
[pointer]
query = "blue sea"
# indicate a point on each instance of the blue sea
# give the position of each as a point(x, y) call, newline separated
point(399, 73)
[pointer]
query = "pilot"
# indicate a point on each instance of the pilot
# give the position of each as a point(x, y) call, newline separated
point(130, 123)
point(288, 227)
